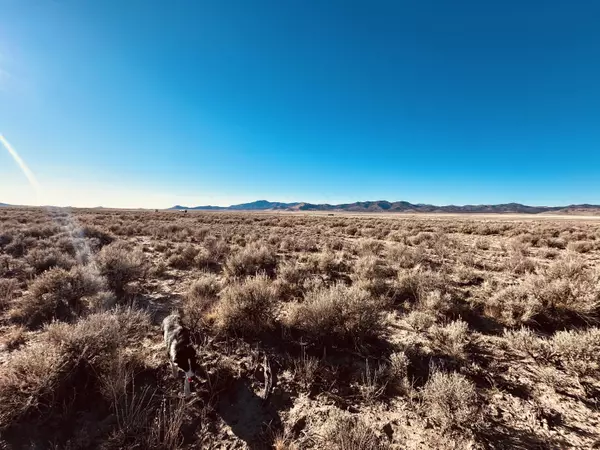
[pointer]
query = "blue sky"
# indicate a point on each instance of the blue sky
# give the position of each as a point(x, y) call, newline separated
point(149, 103)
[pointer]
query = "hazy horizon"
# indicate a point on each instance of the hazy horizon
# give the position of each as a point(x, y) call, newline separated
point(122, 104)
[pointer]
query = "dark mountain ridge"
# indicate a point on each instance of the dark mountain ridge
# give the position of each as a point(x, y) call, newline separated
point(400, 206)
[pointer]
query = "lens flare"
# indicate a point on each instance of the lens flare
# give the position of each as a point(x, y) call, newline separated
point(24, 168)
point(70, 225)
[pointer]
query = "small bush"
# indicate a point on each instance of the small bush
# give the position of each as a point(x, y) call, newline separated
point(578, 350)
point(251, 260)
point(8, 287)
point(451, 339)
point(97, 237)
point(183, 257)
point(412, 286)
point(407, 257)
point(32, 375)
point(15, 338)
point(339, 314)
point(121, 266)
point(291, 277)
point(344, 432)
point(199, 300)
point(450, 400)
point(326, 263)
point(57, 294)
point(512, 306)
point(60, 370)
point(44, 259)
point(246, 307)
point(580, 246)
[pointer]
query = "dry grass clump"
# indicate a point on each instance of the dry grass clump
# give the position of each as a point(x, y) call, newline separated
point(413, 285)
point(512, 306)
point(61, 370)
point(200, 299)
point(339, 314)
point(15, 338)
point(246, 307)
point(44, 259)
point(291, 279)
point(8, 287)
point(326, 263)
point(57, 294)
point(581, 246)
point(345, 432)
point(305, 369)
point(121, 266)
point(32, 376)
point(250, 260)
point(566, 292)
point(578, 350)
point(451, 339)
point(450, 401)
point(407, 257)
point(182, 257)
point(96, 237)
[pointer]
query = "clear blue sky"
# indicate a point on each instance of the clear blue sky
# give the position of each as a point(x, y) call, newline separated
point(152, 103)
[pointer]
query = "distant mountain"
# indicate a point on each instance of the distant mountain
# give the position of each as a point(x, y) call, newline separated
point(406, 207)
point(4, 204)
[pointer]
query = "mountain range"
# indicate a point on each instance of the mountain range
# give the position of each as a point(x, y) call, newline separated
point(401, 206)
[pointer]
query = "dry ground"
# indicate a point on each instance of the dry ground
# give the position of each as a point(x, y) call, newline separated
point(380, 331)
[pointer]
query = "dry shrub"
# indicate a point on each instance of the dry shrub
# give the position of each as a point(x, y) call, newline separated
point(512, 306)
point(166, 431)
point(413, 285)
point(15, 338)
point(451, 339)
point(371, 268)
point(182, 257)
point(574, 350)
point(450, 400)
point(524, 340)
point(407, 257)
point(291, 278)
point(250, 260)
point(519, 263)
point(44, 259)
point(420, 320)
point(578, 350)
point(339, 314)
point(57, 294)
point(121, 265)
point(367, 247)
point(580, 246)
point(200, 299)
point(439, 304)
point(305, 369)
point(397, 373)
point(482, 243)
point(8, 287)
point(31, 377)
point(422, 238)
point(61, 368)
point(565, 293)
point(327, 263)
point(345, 432)
point(218, 248)
point(246, 307)
point(97, 237)
point(557, 243)
point(371, 273)
point(100, 333)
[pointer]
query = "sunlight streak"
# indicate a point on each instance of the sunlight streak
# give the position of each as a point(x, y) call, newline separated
point(26, 171)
